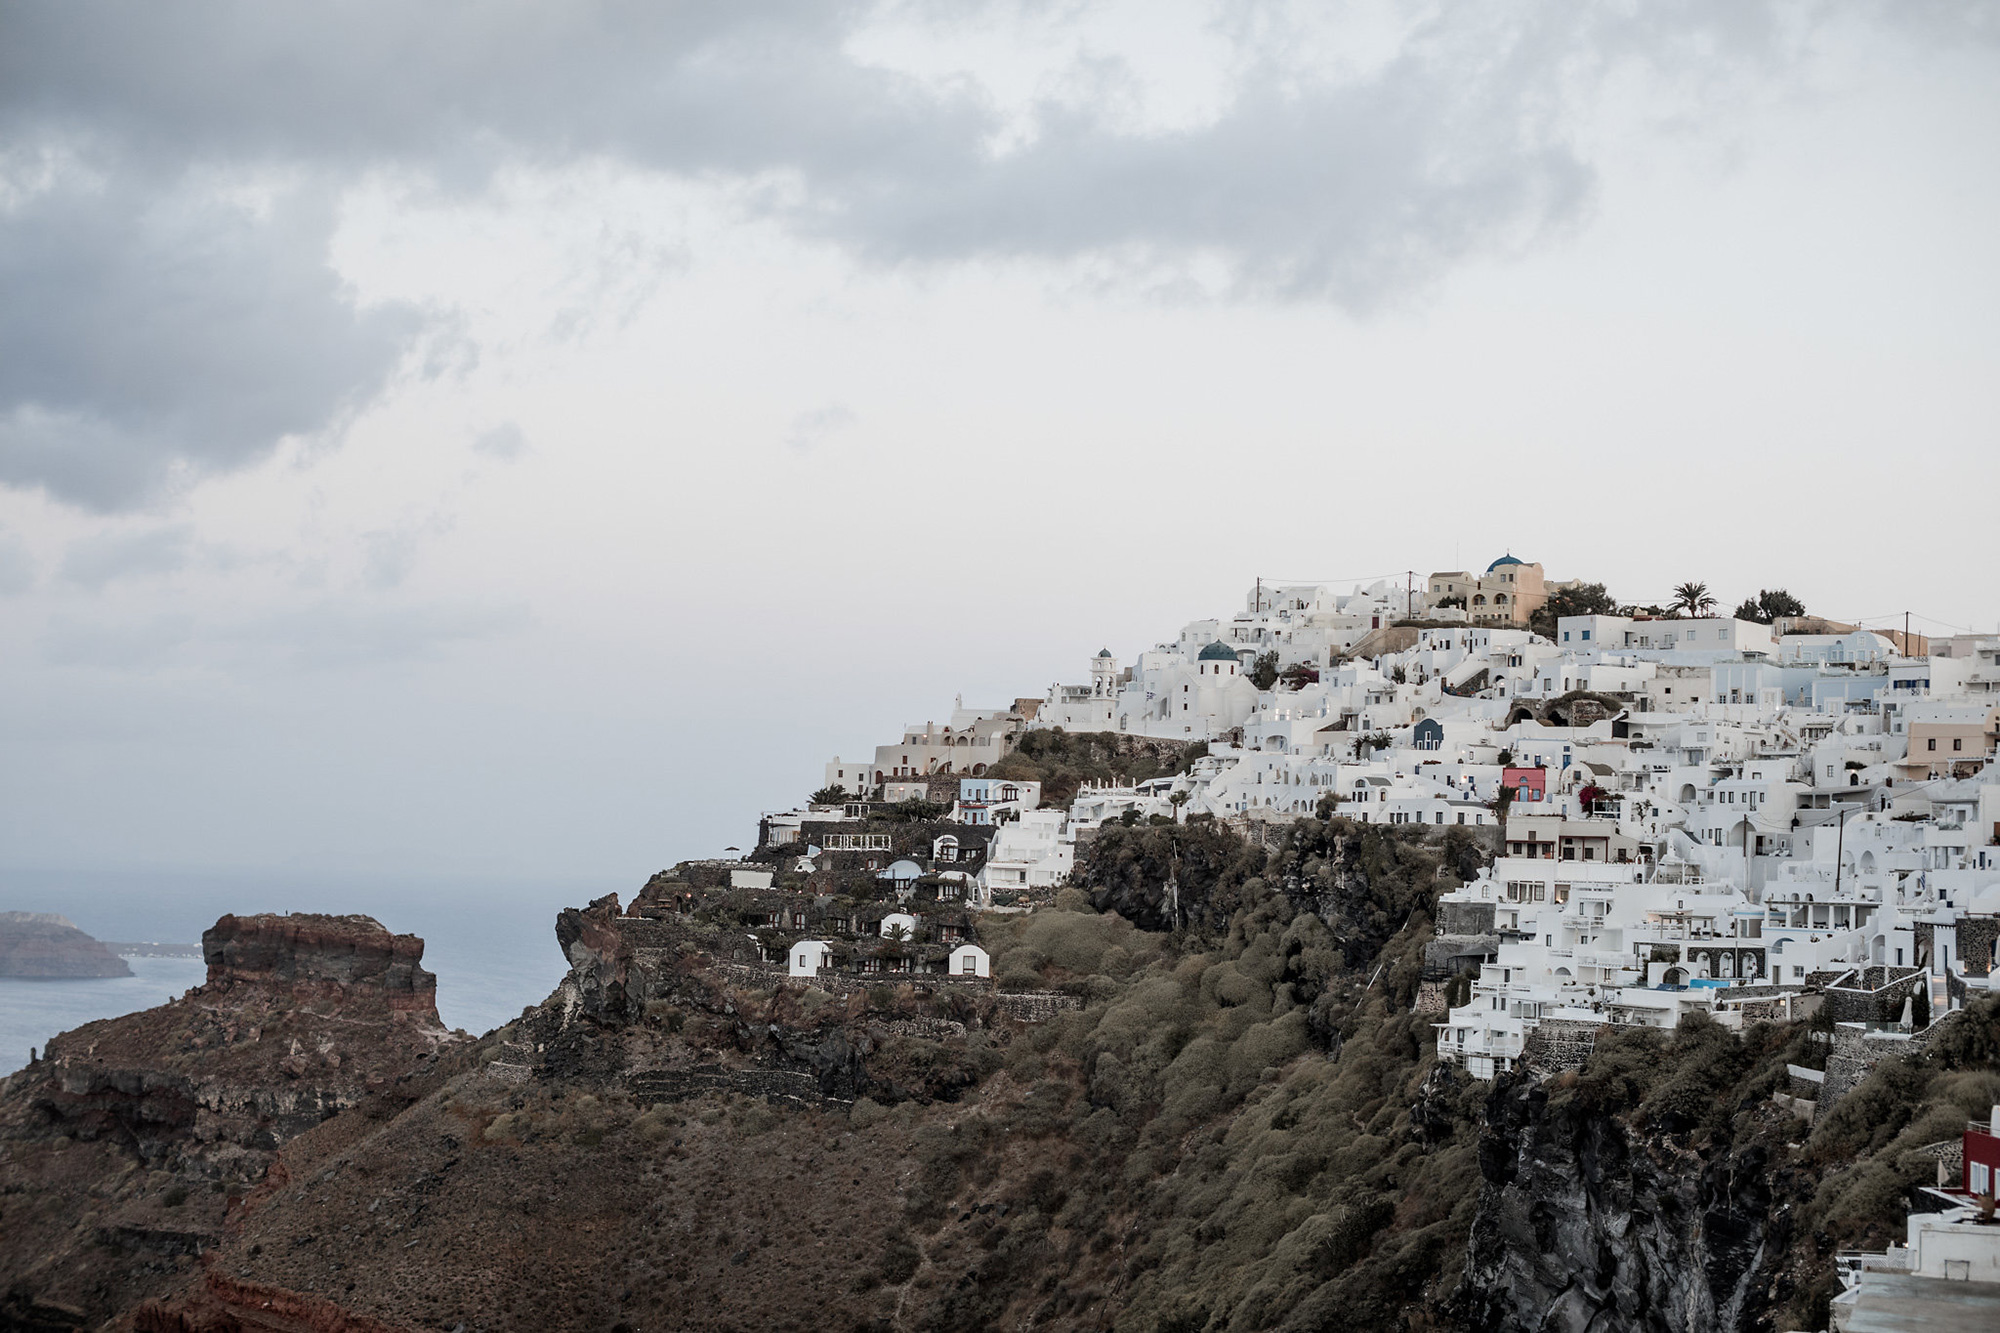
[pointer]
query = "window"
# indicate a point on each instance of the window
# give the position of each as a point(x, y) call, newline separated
point(1958, 742)
point(1978, 1176)
point(1586, 636)
point(1931, 743)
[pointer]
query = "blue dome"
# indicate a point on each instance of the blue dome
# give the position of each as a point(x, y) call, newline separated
point(1104, 652)
point(1217, 652)
point(1503, 560)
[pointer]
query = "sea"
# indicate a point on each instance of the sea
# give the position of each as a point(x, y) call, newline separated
point(491, 942)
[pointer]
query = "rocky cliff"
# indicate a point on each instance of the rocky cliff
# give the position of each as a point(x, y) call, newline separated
point(126, 1144)
point(1227, 1129)
point(1588, 1223)
point(45, 947)
point(1663, 1187)
point(336, 956)
point(1237, 1124)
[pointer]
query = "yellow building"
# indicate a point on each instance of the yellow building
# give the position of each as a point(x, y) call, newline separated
point(1506, 594)
point(1949, 739)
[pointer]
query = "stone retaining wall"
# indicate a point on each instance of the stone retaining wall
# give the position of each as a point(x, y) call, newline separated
point(1950, 1157)
point(1464, 918)
point(1558, 1044)
point(1976, 934)
point(1027, 1006)
point(1036, 1006)
point(786, 1087)
point(1776, 1006)
point(1873, 994)
point(1856, 1052)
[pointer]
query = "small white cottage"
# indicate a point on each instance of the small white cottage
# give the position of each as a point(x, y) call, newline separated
point(809, 956)
point(895, 919)
point(969, 960)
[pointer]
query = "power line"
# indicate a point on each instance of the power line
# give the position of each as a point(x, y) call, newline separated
point(1891, 615)
point(1358, 578)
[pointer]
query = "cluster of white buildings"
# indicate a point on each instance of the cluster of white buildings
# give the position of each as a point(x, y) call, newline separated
point(1690, 812)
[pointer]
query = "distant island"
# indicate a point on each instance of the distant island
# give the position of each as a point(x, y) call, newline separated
point(152, 949)
point(42, 946)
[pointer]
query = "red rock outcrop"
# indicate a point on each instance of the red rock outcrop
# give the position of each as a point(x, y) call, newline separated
point(127, 1149)
point(222, 1304)
point(327, 955)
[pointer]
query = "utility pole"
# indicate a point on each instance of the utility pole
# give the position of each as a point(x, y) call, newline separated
point(1410, 595)
point(1747, 888)
point(1839, 841)
point(1259, 596)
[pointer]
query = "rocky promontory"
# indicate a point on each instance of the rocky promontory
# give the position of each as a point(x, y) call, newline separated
point(125, 1147)
point(42, 946)
point(343, 957)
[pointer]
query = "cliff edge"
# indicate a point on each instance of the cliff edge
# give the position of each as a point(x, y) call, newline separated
point(126, 1148)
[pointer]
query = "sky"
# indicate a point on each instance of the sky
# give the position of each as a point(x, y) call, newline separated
point(514, 445)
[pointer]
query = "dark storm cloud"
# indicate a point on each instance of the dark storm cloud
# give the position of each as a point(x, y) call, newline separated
point(457, 88)
point(152, 329)
point(147, 335)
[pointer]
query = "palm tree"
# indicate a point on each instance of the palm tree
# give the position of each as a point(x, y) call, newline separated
point(1693, 598)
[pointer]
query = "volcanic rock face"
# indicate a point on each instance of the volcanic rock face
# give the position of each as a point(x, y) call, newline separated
point(341, 956)
point(123, 1147)
point(1586, 1224)
point(666, 1142)
point(44, 946)
point(301, 1016)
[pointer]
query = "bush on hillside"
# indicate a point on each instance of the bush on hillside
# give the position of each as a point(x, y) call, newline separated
point(1062, 761)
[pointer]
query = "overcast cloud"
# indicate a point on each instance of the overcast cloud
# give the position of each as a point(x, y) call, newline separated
point(149, 336)
point(168, 310)
point(98, 559)
point(545, 433)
